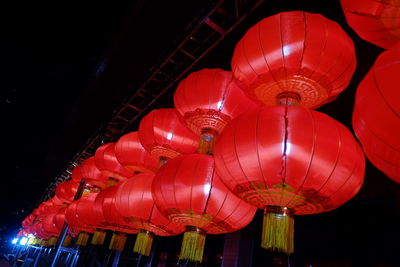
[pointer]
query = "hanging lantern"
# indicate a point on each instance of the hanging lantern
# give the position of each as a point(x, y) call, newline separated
point(377, 22)
point(376, 120)
point(66, 191)
point(134, 201)
point(189, 193)
point(110, 218)
point(107, 163)
point(300, 54)
point(289, 160)
point(207, 100)
point(132, 155)
point(75, 225)
point(95, 180)
point(164, 136)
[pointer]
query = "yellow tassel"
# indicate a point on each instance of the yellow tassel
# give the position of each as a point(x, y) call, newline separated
point(111, 182)
point(207, 141)
point(193, 244)
point(117, 241)
point(82, 239)
point(52, 241)
point(143, 243)
point(278, 230)
point(43, 242)
point(98, 237)
point(67, 241)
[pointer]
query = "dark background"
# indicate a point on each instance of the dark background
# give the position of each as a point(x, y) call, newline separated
point(66, 66)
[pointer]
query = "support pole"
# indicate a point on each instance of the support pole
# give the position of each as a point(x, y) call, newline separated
point(64, 230)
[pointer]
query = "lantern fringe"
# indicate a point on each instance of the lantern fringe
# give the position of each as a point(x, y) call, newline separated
point(117, 241)
point(278, 230)
point(43, 242)
point(67, 241)
point(52, 241)
point(98, 237)
point(207, 141)
point(82, 239)
point(143, 243)
point(193, 244)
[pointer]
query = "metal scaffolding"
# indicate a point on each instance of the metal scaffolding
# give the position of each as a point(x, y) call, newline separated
point(203, 36)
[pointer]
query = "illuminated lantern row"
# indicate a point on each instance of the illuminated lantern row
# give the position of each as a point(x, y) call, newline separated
point(375, 21)
point(300, 54)
point(281, 157)
point(376, 119)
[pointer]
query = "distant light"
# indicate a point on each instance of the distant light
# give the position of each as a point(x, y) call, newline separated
point(14, 241)
point(23, 241)
point(169, 136)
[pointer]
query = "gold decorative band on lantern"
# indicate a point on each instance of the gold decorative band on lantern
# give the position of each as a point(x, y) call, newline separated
point(278, 229)
point(118, 241)
point(143, 243)
point(98, 237)
point(288, 98)
point(193, 243)
point(82, 239)
point(207, 140)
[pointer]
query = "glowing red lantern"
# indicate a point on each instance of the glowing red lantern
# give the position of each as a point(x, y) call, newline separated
point(189, 193)
point(66, 191)
point(289, 160)
point(109, 217)
point(163, 134)
point(134, 201)
point(207, 100)
point(376, 120)
point(107, 163)
point(377, 22)
point(132, 155)
point(301, 54)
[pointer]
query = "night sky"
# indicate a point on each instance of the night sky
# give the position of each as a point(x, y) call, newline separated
point(66, 66)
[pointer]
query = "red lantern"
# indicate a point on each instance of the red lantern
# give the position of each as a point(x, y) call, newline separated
point(207, 100)
point(134, 201)
point(295, 53)
point(376, 120)
point(189, 193)
point(377, 22)
point(289, 160)
point(105, 209)
point(132, 155)
point(107, 163)
point(163, 134)
point(66, 191)
point(94, 178)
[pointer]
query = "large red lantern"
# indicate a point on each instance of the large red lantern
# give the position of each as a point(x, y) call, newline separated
point(94, 178)
point(300, 54)
point(376, 119)
point(207, 100)
point(107, 163)
point(189, 193)
point(289, 160)
point(376, 21)
point(163, 134)
point(134, 201)
point(132, 155)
